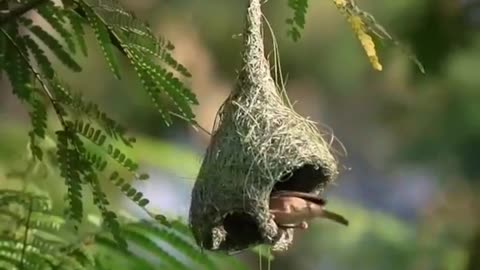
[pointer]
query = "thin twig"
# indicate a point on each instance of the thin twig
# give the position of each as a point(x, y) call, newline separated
point(39, 79)
point(20, 10)
point(194, 123)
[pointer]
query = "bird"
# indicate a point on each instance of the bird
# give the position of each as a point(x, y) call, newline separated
point(293, 209)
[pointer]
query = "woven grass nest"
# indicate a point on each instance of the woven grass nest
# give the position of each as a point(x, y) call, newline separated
point(259, 145)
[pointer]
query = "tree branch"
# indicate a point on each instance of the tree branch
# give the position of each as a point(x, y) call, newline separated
point(6, 16)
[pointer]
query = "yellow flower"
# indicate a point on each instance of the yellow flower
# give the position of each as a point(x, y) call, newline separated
point(340, 3)
point(360, 30)
point(365, 39)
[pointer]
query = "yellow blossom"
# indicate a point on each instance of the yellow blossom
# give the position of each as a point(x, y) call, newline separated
point(365, 39)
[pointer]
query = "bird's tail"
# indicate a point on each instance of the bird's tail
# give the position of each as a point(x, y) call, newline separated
point(335, 217)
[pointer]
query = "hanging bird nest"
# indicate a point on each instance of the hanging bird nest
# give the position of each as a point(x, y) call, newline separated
point(260, 145)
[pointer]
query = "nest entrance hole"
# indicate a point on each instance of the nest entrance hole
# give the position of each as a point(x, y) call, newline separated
point(242, 229)
point(304, 179)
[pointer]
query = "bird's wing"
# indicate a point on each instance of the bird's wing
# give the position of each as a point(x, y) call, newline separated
point(306, 196)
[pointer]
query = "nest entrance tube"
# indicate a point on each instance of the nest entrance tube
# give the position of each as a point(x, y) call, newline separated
point(260, 145)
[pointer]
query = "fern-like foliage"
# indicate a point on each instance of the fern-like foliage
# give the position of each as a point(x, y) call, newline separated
point(90, 150)
point(114, 25)
point(33, 237)
point(27, 220)
point(173, 247)
point(29, 234)
point(90, 146)
point(297, 22)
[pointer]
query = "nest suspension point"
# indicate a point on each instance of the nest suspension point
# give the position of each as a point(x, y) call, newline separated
point(260, 145)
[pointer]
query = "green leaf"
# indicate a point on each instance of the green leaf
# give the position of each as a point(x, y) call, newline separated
point(93, 134)
point(18, 71)
point(70, 170)
point(143, 202)
point(103, 38)
point(77, 31)
point(56, 48)
point(135, 34)
point(56, 18)
point(126, 187)
point(114, 175)
point(42, 60)
point(148, 245)
point(110, 248)
point(121, 158)
point(157, 80)
point(297, 22)
point(162, 219)
point(120, 182)
point(143, 176)
point(137, 196)
point(110, 219)
point(39, 118)
point(187, 248)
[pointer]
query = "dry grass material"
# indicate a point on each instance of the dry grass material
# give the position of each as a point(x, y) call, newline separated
point(260, 144)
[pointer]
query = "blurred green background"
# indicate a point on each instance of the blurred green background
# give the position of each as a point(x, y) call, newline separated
point(410, 180)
